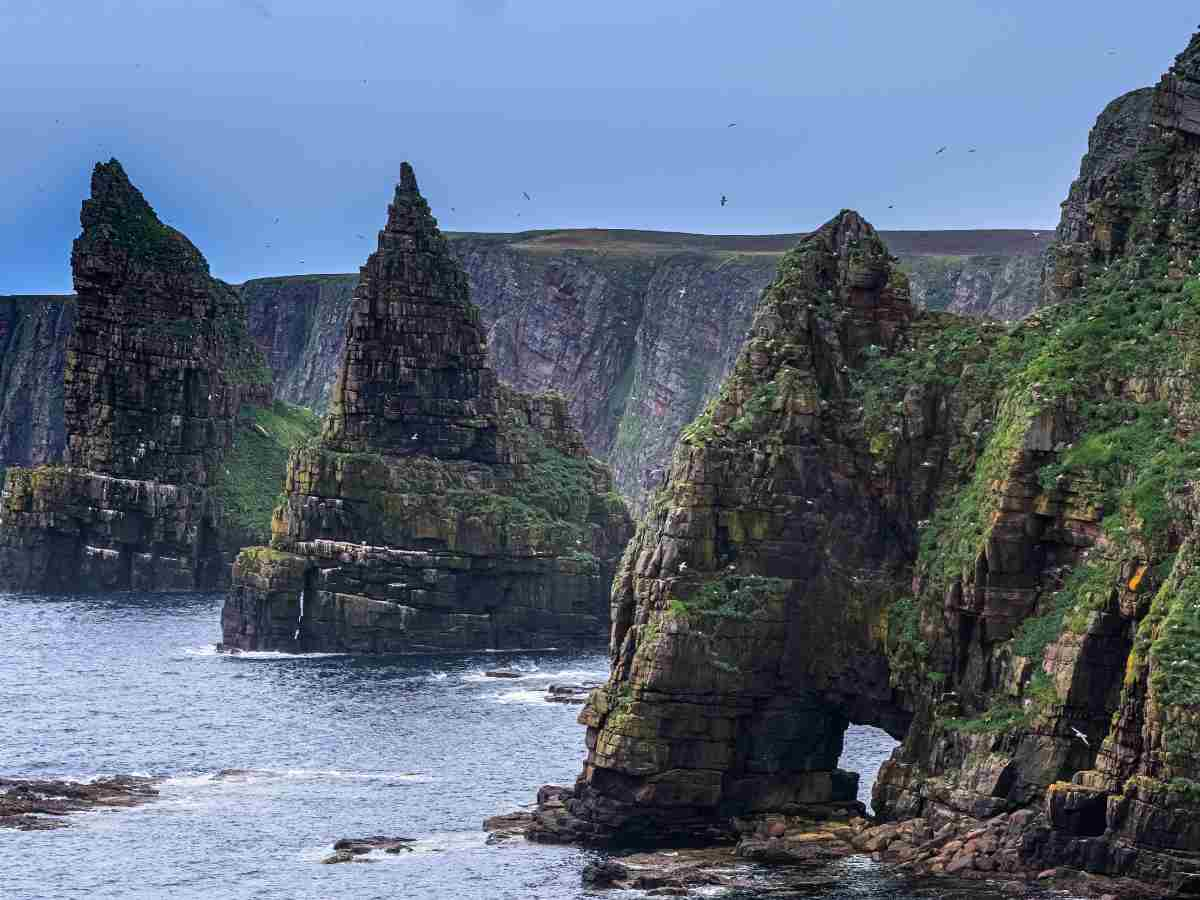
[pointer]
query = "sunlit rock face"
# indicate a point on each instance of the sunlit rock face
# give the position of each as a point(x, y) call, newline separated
point(158, 365)
point(439, 509)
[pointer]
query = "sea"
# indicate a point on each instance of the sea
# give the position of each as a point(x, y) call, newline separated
point(267, 759)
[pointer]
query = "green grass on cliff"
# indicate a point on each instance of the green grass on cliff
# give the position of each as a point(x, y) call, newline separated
point(1106, 364)
point(248, 480)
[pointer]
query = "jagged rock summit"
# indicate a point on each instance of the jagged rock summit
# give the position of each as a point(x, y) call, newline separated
point(983, 539)
point(159, 365)
point(440, 509)
point(414, 377)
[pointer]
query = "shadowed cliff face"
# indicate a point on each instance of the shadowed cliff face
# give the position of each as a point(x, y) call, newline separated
point(33, 354)
point(439, 509)
point(158, 365)
point(981, 537)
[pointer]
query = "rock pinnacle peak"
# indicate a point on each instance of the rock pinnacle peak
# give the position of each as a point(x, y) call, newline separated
point(408, 178)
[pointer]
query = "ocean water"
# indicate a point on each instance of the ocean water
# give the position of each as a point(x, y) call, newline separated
point(324, 747)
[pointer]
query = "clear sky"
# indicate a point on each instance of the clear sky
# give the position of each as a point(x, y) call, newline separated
point(230, 114)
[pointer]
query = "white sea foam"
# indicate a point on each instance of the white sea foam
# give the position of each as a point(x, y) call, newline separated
point(251, 776)
point(523, 650)
point(211, 650)
point(538, 675)
point(521, 697)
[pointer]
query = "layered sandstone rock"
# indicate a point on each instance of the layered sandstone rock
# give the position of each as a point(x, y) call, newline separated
point(735, 672)
point(158, 366)
point(981, 538)
point(439, 509)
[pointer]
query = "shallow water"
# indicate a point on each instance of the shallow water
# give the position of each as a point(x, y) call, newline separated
point(327, 746)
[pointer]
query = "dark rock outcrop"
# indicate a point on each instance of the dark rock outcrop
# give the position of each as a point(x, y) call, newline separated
point(158, 366)
point(440, 509)
point(982, 539)
point(44, 804)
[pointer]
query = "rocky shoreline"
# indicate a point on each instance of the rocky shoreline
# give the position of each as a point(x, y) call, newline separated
point(42, 805)
point(943, 845)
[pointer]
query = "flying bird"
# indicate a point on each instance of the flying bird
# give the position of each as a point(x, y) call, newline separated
point(724, 199)
point(1083, 737)
point(941, 150)
point(526, 195)
point(891, 206)
point(972, 150)
point(731, 125)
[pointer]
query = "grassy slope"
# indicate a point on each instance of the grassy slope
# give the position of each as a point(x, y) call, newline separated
point(250, 479)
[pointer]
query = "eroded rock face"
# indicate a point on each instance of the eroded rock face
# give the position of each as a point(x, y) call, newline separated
point(982, 538)
point(158, 366)
point(440, 509)
point(734, 676)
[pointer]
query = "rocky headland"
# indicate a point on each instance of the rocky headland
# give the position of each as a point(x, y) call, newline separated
point(980, 538)
point(439, 509)
point(160, 376)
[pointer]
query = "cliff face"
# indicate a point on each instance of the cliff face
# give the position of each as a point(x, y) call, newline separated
point(636, 329)
point(996, 287)
point(158, 366)
point(439, 509)
point(300, 325)
point(981, 538)
point(33, 353)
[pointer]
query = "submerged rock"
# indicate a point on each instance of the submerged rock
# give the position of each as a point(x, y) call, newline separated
point(440, 510)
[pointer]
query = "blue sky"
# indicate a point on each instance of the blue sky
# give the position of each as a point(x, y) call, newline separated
point(232, 113)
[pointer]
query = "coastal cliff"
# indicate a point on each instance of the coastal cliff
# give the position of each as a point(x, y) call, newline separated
point(980, 538)
point(439, 509)
point(158, 366)
point(637, 329)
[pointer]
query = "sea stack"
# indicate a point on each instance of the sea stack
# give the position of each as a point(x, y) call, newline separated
point(158, 366)
point(747, 611)
point(440, 509)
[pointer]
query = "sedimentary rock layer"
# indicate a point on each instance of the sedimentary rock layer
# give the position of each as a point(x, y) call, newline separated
point(439, 509)
point(158, 366)
point(981, 538)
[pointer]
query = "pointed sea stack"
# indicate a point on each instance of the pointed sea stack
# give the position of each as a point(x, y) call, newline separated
point(158, 366)
point(734, 672)
point(440, 510)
